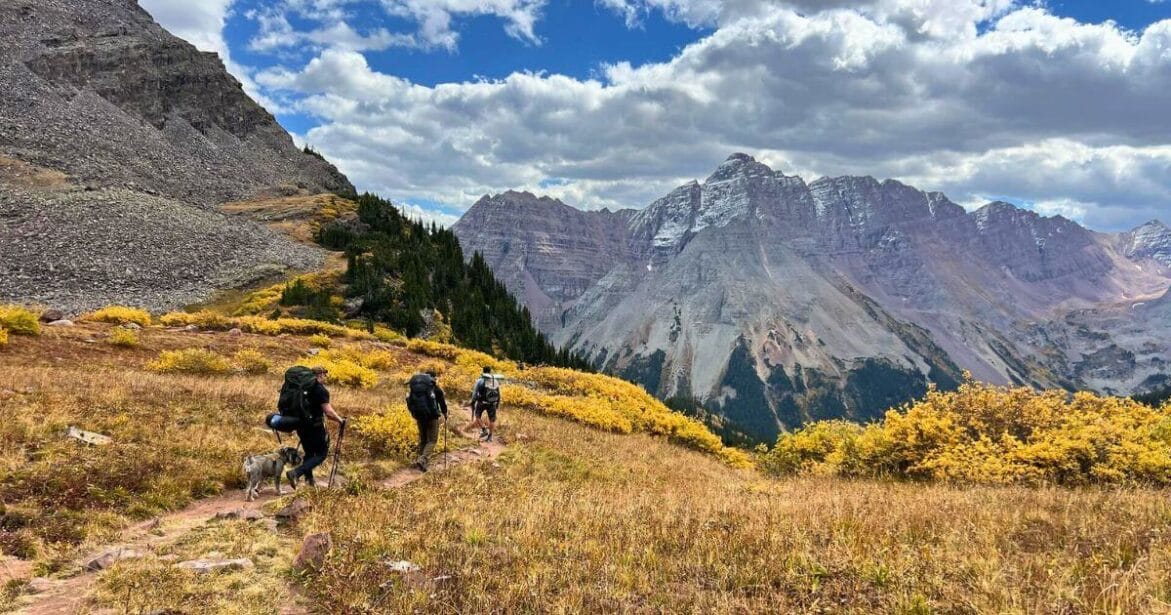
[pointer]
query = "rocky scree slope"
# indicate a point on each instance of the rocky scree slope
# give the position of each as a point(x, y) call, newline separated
point(769, 301)
point(150, 134)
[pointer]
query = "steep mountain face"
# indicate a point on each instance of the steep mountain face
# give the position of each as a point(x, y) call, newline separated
point(1151, 241)
point(771, 302)
point(108, 119)
point(546, 252)
point(98, 90)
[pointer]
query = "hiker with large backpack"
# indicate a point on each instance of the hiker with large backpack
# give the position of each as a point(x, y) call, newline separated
point(426, 401)
point(303, 407)
point(486, 398)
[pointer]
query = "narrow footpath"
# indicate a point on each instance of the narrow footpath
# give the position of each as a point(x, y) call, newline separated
point(68, 595)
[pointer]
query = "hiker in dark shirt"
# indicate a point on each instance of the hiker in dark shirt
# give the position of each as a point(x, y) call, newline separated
point(313, 435)
point(426, 402)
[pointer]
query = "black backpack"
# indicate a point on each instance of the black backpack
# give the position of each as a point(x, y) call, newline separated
point(294, 398)
point(421, 400)
point(490, 398)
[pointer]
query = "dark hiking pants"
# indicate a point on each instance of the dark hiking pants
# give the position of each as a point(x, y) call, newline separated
point(315, 441)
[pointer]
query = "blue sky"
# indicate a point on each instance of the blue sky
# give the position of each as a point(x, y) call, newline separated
point(610, 103)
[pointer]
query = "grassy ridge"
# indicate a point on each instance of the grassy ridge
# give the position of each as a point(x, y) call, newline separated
point(602, 512)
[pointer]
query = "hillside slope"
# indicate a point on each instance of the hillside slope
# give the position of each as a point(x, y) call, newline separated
point(772, 301)
point(574, 515)
point(116, 139)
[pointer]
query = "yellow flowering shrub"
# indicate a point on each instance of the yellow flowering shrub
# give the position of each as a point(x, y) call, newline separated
point(995, 435)
point(344, 372)
point(391, 432)
point(205, 319)
point(190, 361)
point(434, 349)
point(642, 410)
point(119, 315)
point(320, 340)
point(3, 337)
point(19, 320)
point(260, 325)
point(369, 358)
point(389, 336)
point(260, 301)
point(595, 412)
point(123, 337)
point(251, 361)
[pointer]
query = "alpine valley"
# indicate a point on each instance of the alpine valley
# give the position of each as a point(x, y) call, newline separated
point(763, 302)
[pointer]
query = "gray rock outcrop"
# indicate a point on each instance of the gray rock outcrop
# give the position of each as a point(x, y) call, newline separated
point(117, 141)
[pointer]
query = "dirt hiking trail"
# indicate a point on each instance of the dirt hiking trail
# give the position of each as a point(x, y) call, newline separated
point(69, 595)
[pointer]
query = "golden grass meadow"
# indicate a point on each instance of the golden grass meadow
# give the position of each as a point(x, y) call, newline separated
point(602, 500)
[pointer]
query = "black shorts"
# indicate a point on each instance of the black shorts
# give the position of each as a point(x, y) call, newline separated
point(481, 408)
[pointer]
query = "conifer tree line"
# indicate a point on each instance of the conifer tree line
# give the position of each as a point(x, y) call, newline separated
point(402, 269)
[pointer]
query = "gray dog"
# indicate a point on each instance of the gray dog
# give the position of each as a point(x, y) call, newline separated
point(259, 467)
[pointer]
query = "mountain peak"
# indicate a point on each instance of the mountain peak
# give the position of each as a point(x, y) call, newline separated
point(737, 165)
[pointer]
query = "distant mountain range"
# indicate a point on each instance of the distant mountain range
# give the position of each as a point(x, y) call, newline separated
point(764, 301)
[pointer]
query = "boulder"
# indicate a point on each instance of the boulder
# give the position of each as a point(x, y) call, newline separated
point(314, 549)
point(52, 315)
point(234, 332)
point(294, 510)
point(204, 566)
point(60, 323)
point(112, 556)
point(133, 326)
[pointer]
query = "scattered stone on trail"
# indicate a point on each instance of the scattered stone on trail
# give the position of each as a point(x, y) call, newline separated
point(294, 510)
point(235, 332)
point(52, 315)
point(111, 557)
point(246, 514)
point(191, 328)
point(133, 326)
point(204, 566)
point(91, 340)
point(59, 323)
point(314, 550)
point(314, 352)
point(40, 585)
point(475, 452)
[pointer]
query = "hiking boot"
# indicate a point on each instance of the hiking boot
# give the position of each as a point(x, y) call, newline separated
point(292, 478)
point(488, 438)
point(422, 468)
point(483, 432)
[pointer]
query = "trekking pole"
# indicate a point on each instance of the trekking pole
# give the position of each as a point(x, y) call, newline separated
point(337, 452)
point(445, 441)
